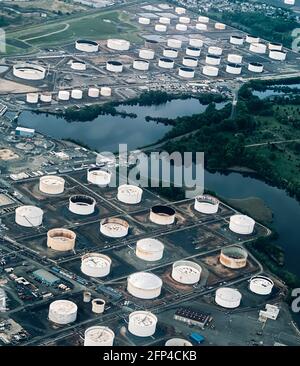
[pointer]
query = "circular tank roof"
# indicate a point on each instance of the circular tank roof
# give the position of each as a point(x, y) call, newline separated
point(150, 245)
point(163, 210)
point(145, 281)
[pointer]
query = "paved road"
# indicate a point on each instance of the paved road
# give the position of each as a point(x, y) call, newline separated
point(273, 142)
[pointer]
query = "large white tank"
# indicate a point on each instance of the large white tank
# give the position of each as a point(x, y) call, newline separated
point(141, 65)
point(162, 215)
point(203, 19)
point(146, 54)
point(237, 40)
point(186, 272)
point(62, 312)
point(228, 298)
point(118, 44)
point(29, 216)
point(32, 98)
point(206, 204)
point(76, 94)
point(232, 68)
point(78, 65)
point(29, 72)
point(114, 227)
point(161, 28)
point(193, 51)
point(178, 342)
point(212, 60)
point(289, 2)
point(201, 27)
point(241, 224)
point(236, 59)
point(144, 20)
point(114, 66)
point(46, 97)
point(144, 285)
point(174, 43)
point(190, 61)
point(130, 194)
point(234, 257)
point(256, 67)
point(94, 92)
point(170, 52)
point(186, 72)
point(179, 10)
point(196, 42)
point(149, 249)
point(181, 27)
point(275, 46)
point(61, 240)
point(105, 91)
point(216, 51)
point(277, 55)
point(86, 46)
point(99, 336)
point(252, 39)
point(164, 20)
point(184, 20)
point(95, 265)
point(166, 63)
point(142, 323)
point(64, 95)
point(151, 44)
point(99, 176)
point(258, 48)
point(82, 205)
point(220, 26)
point(98, 306)
point(210, 71)
point(261, 285)
point(52, 184)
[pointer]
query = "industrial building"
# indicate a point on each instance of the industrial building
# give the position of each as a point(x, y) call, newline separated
point(46, 277)
point(192, 317)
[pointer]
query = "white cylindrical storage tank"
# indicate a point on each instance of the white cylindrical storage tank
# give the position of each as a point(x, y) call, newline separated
point(62, 312)
point(258, 48)
point(184, 20)
point(193, 51)
point(275, 46)
point(174, 43)
point(61, 240)
point(210, 71)
point(220, 26)
point(241, 224)
point(162, 215)
point(178, 342)
point(289, 2)
point(232, 68)
point(181, 27)
point(186, 272)
point(201, 26)
point(144, 20)
point(190, 61)
point(99, 336)
point(179, 10)
point(146, 54)
point(203, 19)
point(114, 66)
point(29, 72)
point(216, 51)
point(149, 249)
point(130, 194)
point(87, 296)
point(29, 216)
point(255, 67)
point(118, 44)
point(64, 95)
point(234, 257)
point(252, 39)
point(82, 205)
point(212, 60)
point(166, 63)
point(161, 28)
point(141, 65)
point(236, 59)
point(95, 265)
point(51, 184)
point(170, 52)
point(78, 65)
point(261, 285)
point(76, 94)
point(99, 176)
point(196, 42)
point(206, 204)
point(228, 298)
point(98, 306)
point(164, 20)
point(114, 227)
point(32, 98)
point(105, 91)
point(86, 46)
point(237, 40)
point(277, 55)
point(142, 323)
point(46, 97)
point(152, 44)
point(144, 285)
point(186, 72)
point(93, 92)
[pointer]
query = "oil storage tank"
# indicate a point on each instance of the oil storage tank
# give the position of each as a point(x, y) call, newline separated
point(99, 336)
point(186, 72)
point(196, 42)
point(193, 51)
point(52, 184)
point(181, 27)
point(61, 240)
point(277, 55)
point(179, 10)
point(228, 298)
point(114, 227)
point(162, 215)
point(201, 27)
point(82, 205)
point(144, 285)
point(99, 176)
point(234, 69)
point(220, 26)
point(142, 323)
point(289, 2)
point(46, 97)
point(252, 39)
point(190, 61)
point(141, 65)
point(114, 66)
point(64, 95)
point(98, 306)
point(151, 44)
point(29, 216)
point(178, 342)
point(184, 20)
point(146, 53)
point(256, 67)
point(213, 60)
point(32, 98)
point(27, 71)
point(210, 71)
point(62, 312)
point(76, 94)
point(118, 44)
point(275, 46)
point(203, 19)
point(78, 65)
point(206, 204)
point(164, 20)
point(105, 91)
point(258, 48)
point(85, 45)
point(241, 224)
point(130, 194)
point(149, 249)
point(186, 272)
point(174, 43)
point(94, 92)
point(166, 63)
point(234, 58)
point(236, 40)
point(170, 52)
point(261, 285)
point(234, 257)
point(144, 20)
point(216, 51)
point(161, 28)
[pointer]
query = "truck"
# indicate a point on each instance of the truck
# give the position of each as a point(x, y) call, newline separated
point(197, 338)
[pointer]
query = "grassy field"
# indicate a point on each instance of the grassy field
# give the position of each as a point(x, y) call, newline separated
point(50, 5)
